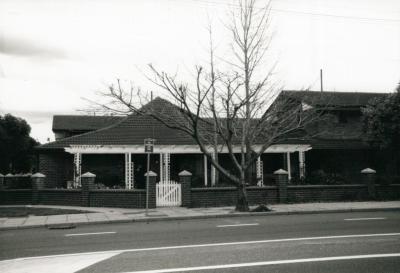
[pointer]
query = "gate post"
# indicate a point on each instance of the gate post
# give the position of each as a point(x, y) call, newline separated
point(281, 177)
point(369, 180)
point(37, 185)
point(87, 182)
point(185, 178)
point(152, 189)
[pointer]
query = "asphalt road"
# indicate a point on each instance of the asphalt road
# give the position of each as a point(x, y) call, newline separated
point(340, 242)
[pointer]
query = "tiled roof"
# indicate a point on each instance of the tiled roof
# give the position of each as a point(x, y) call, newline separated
point(131, 130)
point(83, 123)
point(329, 98)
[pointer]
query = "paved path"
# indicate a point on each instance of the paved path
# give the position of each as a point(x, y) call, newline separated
point(112, 215)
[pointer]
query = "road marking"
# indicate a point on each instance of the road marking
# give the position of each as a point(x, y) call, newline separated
point(213, 245)
point(364, 219)
point(239, 225)
point(224, 266)
point(93, 233)
point(54, 264)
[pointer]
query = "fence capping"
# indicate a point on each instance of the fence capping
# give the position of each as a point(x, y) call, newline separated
point(280, 171)
point(1, 175)
point(368, 171)
point(38, 175)
point(151, 173)
point(9, 175)
point(185, 173)
point(88, 175)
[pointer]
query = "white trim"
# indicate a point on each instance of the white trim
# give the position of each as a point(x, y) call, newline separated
point(177, 149)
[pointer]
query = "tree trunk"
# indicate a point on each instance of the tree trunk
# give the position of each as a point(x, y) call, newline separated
point(242, 203)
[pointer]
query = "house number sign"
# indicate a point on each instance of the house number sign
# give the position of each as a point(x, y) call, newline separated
point(149, 145)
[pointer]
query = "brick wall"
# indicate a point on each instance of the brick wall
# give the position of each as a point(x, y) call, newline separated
point(326, 193)
point(70, 197)
point(388, 192)
point(215, 197)
point(118, 198)
point(227, 196)
point(15, 197)
point(58, 168)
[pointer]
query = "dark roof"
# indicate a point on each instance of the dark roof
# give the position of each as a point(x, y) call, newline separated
point(131, 130)
point(83, 123)
point(329, 98)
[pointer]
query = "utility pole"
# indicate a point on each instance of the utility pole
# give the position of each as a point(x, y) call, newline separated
point(322, 84)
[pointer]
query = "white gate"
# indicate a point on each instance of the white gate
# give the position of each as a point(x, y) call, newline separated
point(168, 194)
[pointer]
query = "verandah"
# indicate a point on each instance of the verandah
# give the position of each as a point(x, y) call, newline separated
point(128, 166)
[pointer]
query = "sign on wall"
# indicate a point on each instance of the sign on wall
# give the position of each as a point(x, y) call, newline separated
point(149, 145)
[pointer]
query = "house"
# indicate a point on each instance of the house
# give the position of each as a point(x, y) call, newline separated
point(112, 147)
point(71, 125)
point(339, 148)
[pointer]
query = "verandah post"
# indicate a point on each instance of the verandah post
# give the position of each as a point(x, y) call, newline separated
point(185, 178)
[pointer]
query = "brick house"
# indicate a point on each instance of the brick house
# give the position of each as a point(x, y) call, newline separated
point(338, 144)
point(112, 146)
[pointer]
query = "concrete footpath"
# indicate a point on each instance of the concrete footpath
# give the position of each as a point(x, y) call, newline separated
point(120, 215)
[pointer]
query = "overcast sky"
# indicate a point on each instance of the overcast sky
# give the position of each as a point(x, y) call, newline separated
point(53, 53)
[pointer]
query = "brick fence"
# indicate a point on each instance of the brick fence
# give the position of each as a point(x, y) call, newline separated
point(216, 197)
point(194, 197)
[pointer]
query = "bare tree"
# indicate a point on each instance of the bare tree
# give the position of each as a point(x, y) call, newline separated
point(227, 109)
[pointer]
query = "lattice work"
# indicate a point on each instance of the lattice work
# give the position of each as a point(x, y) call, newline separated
point(128, 171)
point(166, 167)
point(77, 169)
point(260, 172)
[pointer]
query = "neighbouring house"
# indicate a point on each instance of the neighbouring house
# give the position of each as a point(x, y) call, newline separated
point(339, 149)
point(71, 125)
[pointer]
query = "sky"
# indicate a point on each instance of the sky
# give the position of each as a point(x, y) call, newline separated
point(55, 54)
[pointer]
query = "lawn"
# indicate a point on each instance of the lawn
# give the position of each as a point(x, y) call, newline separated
point(26, 211)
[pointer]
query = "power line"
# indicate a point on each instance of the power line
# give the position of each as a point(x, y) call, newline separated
point(339, 16)
point(383, 20)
